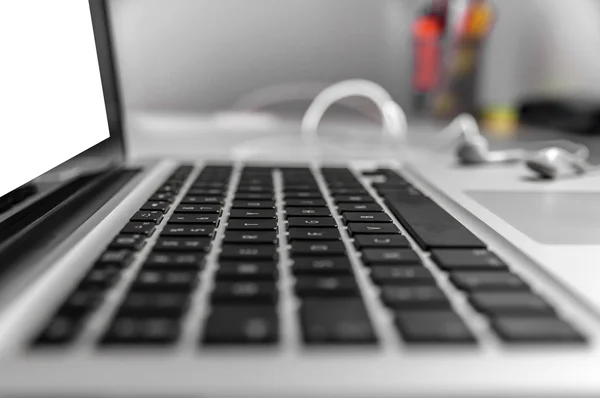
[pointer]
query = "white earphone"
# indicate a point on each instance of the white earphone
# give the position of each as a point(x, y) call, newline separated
point(551, 162)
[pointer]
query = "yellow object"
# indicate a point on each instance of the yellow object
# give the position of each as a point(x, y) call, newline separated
point(501, 121)
point(480, 19)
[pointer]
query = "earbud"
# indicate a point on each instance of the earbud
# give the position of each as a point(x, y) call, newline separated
point(556, 162)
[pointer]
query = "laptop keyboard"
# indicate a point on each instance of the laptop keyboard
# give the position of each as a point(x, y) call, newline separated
point(253, 266)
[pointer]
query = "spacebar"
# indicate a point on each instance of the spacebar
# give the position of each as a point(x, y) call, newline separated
point(430, 225)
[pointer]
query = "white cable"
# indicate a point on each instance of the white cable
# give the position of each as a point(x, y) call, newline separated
point(394, 118)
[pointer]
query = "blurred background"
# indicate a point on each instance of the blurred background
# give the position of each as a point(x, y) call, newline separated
point(181, 60)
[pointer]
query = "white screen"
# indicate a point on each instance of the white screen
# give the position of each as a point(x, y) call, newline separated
point(51, 100)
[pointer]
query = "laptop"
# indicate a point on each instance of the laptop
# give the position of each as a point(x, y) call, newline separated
point(209, 277)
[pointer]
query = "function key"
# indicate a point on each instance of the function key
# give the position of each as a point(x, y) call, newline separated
point(317, 248)
point(372, 228)
point(182, 244)
point(158, 206)
point(367, 217)
point(488, 281)
point(174, 261)
point(198, 209)
point(415, 298)
point(129, 330)
point(326, 286)
point(193, 219)
point(308, 212)
point(154, 216)
point(244, 292)
point(467, 259)
point(248, 252)
point(321, 266)
point(304, 202)
point(252, 225)
point(390, 256)
point(307, 222)
point(336, 321)
point(313, 234)
point(246, 213)
point(433, 327)
point(188, 230)
point(250, 237)
point(529, 330)
point(255, 324)
point(359, 207)
point(253, 204)
point(129, 242)
point(381, 241)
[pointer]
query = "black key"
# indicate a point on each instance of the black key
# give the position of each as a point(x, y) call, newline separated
point(130, 242)
point(244, 292)
point(381, 241)
point(304, 202)
point(254, 196)
point(414, 298)
point(254, 189)
point(172, 244)
point(139, 228)
point(60, 331)
point(308, 212)
point(390, 256)
point(242, 325)
point(326, 286)
point(206, 192)
point(370, 228)
point(528, 330)
point(241, 213)
point(248, 252)
point(367, 217)
point(488, 281)
point(431, 226)
point(100, 278)
point(253, 204)
point(194, 219)
point(207, 200)
point(321, 266)
point(315, 222)
point(250, 237)
point(295, 234)
point(165, 281)
point(115, 258)
point(81, 303)
point(209, 184)
point(155, 330)
point(252, 225)
point(336, 321)
point(467, 260)
point(170, 188)
point(174, 261)
point(139, 304)
point(304, 195)
point(300, 188)
point(353, 199)
point(404, 275)
point(247, 271)
point(162, 197)
point(349, 191)
point(158, 206)
point(317, 248)
point(198, 209)
point(188, 230)
point(433, 327)
point(510, 303)
point(359, 207)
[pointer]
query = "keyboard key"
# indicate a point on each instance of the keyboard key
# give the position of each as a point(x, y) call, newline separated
point(209, 185)
point(248, 252)
point(369, 228)
point(208, 200)
point(367, 217)
point(100, 278)
point(81, 302)
point(321, 266)
point(304, 195)
point(488, 281)
point(253, 204)
point(170, 305)
point(304, 202)
point(254, 196)
point(250, 237)
point(153, 216)
point(115, 258)
point(60, 331)
point(129, 242)
point(308, 212)
point(326, 286)
point(199, 209)
point(194, 219)
point(139, 228)
point(165, 281)
point(252, 225)
point(349, 191)
point(241, 213)
point(188, 230)
point(510, 303)
point(359, 207)
point(381, 241)
point(254, 189)
point(353, 199)
point(182, 244)
point(162, 197)
point(255, 324)
point(414, 298)
point(206, 192)
point(404, 275)
point(174, 261)
point(300, 187)
point(467, 260)
point(390, 256)
point(336, 321)
point(158, 206)
point(433, 327)
point(247, 271)
point(295, 234)
point(170, 188)
point(127, 330)
point(317, 248)
point(528, 330)
point(244, 292)
point(315, 222)
point(430, 225)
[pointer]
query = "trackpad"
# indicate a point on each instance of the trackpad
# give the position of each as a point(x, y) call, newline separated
point(555, 218)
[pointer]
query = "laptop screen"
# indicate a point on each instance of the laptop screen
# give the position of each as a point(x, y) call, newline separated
point(51, 99)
